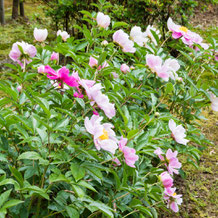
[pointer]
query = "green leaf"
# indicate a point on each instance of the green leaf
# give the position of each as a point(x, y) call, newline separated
point(79, 192)
point(17, 175)
point(119, 24)
point(29, 155)
point(77, 171)
point(86, 185)
point(81, 102)
point(72, 212)
point(169, 88)
point(102, 58)
point(11, 203)
point(132, 133)
point(37, 190)
point(4, 196)
point(104, 208)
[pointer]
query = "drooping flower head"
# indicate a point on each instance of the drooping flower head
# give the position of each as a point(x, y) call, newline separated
point(40, 35)
point(22, 52)
point(178, 133)
point(103, 20)
point(173, 200)
point(64, 35)
point(104, 136)
point(122, 39)
point(129, 153)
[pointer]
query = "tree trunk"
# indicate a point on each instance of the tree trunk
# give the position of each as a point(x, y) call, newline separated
point(2, 12)
point(15, 9)
point(22, 8)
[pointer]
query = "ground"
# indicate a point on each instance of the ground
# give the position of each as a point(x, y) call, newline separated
point(199, 189)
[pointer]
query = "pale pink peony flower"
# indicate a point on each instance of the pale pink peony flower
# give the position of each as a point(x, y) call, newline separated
point(129, 153)
point(104, 136)
point(104, 43)
point(214, 102)
point(24, 54)
point(173, 200)
point(125, 68)
point(138, 36)
point(64, 35)
point(164, 70)
point(178, 133)
point(122, 39)
point(173, 162)
point(41, 69)
point(166, 179)
point(95, 95)
point(54, 56)
point(40, 35)
point(103, 20)
point(19, 88)
point(116, 161)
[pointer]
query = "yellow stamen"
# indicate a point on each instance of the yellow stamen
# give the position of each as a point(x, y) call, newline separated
point(105, 135)
point(184, 29)
point(174, 194)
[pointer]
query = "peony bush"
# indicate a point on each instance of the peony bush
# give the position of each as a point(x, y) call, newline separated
point(100, 126)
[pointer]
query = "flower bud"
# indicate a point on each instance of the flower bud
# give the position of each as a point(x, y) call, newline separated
point(104, 43)
point(40, 35)
point(19, 88)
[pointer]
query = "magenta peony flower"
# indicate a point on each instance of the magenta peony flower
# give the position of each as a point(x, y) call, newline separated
point(61, 75)
point(178, 133)
point(40, 35)
point(214, 102)
point(103, 20)
point(104, 136)
point(54, 56)
point(129, 153)
point(173, 200)
point(125, 68)
point(64, 35)
point(122, 39)
point(22, 52)
point(166, 179)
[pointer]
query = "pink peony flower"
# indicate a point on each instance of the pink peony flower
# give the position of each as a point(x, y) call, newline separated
point(129, 153)
point(19, 88)
point(173, 200)
point(122, 39)
point(166, 179)
point(104, 136)
point(214, 102)
point(173, 162)
point(125, 68)
point(54, 56)
point(40, 35)
point(178, 133)
point(22, 52)
point(64, 35)
point(61, 75)
point(95, 95)
point(164, 70)
point(103, 20)
point(41, 69)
